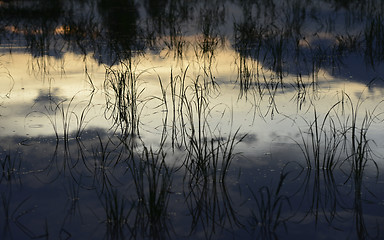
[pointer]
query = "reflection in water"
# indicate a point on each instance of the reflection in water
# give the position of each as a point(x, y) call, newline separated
point(268, 215)
point(120, 19)
point(188, 119)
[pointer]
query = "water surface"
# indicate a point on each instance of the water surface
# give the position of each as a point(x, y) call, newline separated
point(191, 119)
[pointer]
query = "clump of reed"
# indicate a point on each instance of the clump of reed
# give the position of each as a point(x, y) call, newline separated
point(360, 152)
point(201, 139)
point(123, 98)
point(69, 120)
point(176, 43)
point(205, 184)
point(209, 39)
point(173, 103)
point(63, 114)
point(320, 145)
point(340, 140)
point(340, 136)
point(208, 158)
point(208, 153)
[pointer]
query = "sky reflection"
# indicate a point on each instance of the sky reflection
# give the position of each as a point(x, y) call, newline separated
point(191, 120)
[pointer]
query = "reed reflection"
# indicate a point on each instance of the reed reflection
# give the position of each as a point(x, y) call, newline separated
point(280, 42)
point(120, 19)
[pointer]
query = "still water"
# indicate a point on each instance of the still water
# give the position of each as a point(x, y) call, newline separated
point(195, 119)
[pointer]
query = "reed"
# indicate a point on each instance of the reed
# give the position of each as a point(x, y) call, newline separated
point(176, 90)
point(123, 98)
point(339, 139)
point(207, 161)
point(206, 194)
point(176, 43)
point(360, 152)
point(323, 142)
point(363, 230)
point(62, 114)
